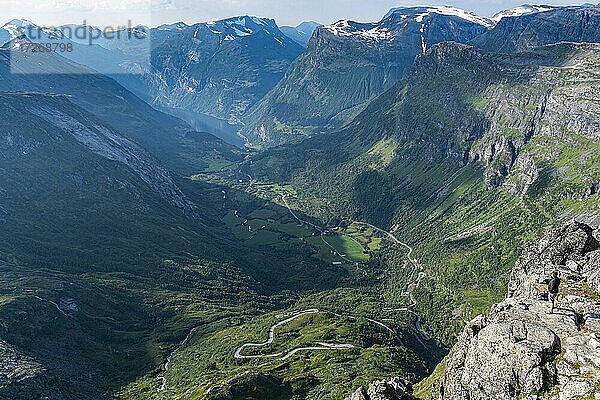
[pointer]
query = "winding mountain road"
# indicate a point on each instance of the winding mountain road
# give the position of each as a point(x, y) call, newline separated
point(409, 292)
point(238, 352)
point(283, 355)
point(322, 229)
point(322, 346)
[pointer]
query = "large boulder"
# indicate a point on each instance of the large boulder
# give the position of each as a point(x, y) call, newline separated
point(591, 270)
point(492, 370)
point(395, 389)
point(501, 357)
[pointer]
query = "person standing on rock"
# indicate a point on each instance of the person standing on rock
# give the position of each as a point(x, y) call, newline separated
point(553, 288)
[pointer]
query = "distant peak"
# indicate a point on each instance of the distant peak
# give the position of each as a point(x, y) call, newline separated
point(419, 13)
point(175, 26)
point(240, 26)
point(18, 23)
point(242, 20)
point(308, 24)
point(13, 30)
point(524, 9)
point(245, 19)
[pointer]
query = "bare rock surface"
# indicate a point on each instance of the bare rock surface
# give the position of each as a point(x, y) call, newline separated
point(520, 351)
point(395, 389)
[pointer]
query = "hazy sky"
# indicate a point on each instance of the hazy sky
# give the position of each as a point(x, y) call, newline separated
point(286, 12)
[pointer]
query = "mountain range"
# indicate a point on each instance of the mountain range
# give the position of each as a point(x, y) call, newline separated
point(218, 68)
point(221, 68)
point(349, 63)
point(327, 97)
point(269, 104)
point(302, 33)
point(399, 178)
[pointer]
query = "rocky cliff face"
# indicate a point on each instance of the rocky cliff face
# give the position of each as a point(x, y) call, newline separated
point(553, 109)
point(517, 115)
point(520, 351)
point(349, 63)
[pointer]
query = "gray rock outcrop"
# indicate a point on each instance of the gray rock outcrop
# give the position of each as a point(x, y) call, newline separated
point(21, 377)
point(520, 351)
point(570, 250)
point(395, 389)
point(113, 146)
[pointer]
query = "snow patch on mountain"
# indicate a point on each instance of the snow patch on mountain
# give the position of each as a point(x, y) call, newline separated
point(525, 9)
point(260, 21)
point(21, 27)
point(231, 29)
point(387, 27)
point(243, 26)
point(13, 30)
point(420, 13)
point(177, 26)
point(463, 14)
point(364, 31)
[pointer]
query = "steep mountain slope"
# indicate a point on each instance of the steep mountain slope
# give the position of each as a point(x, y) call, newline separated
point(519, 351)
point(108, 255)
point(76, 198)
point(302, 33)
point(167, 138)
point(219, 68)
point(349, 63)
point(466, 158)
point(108, 260)
point(568, 24)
